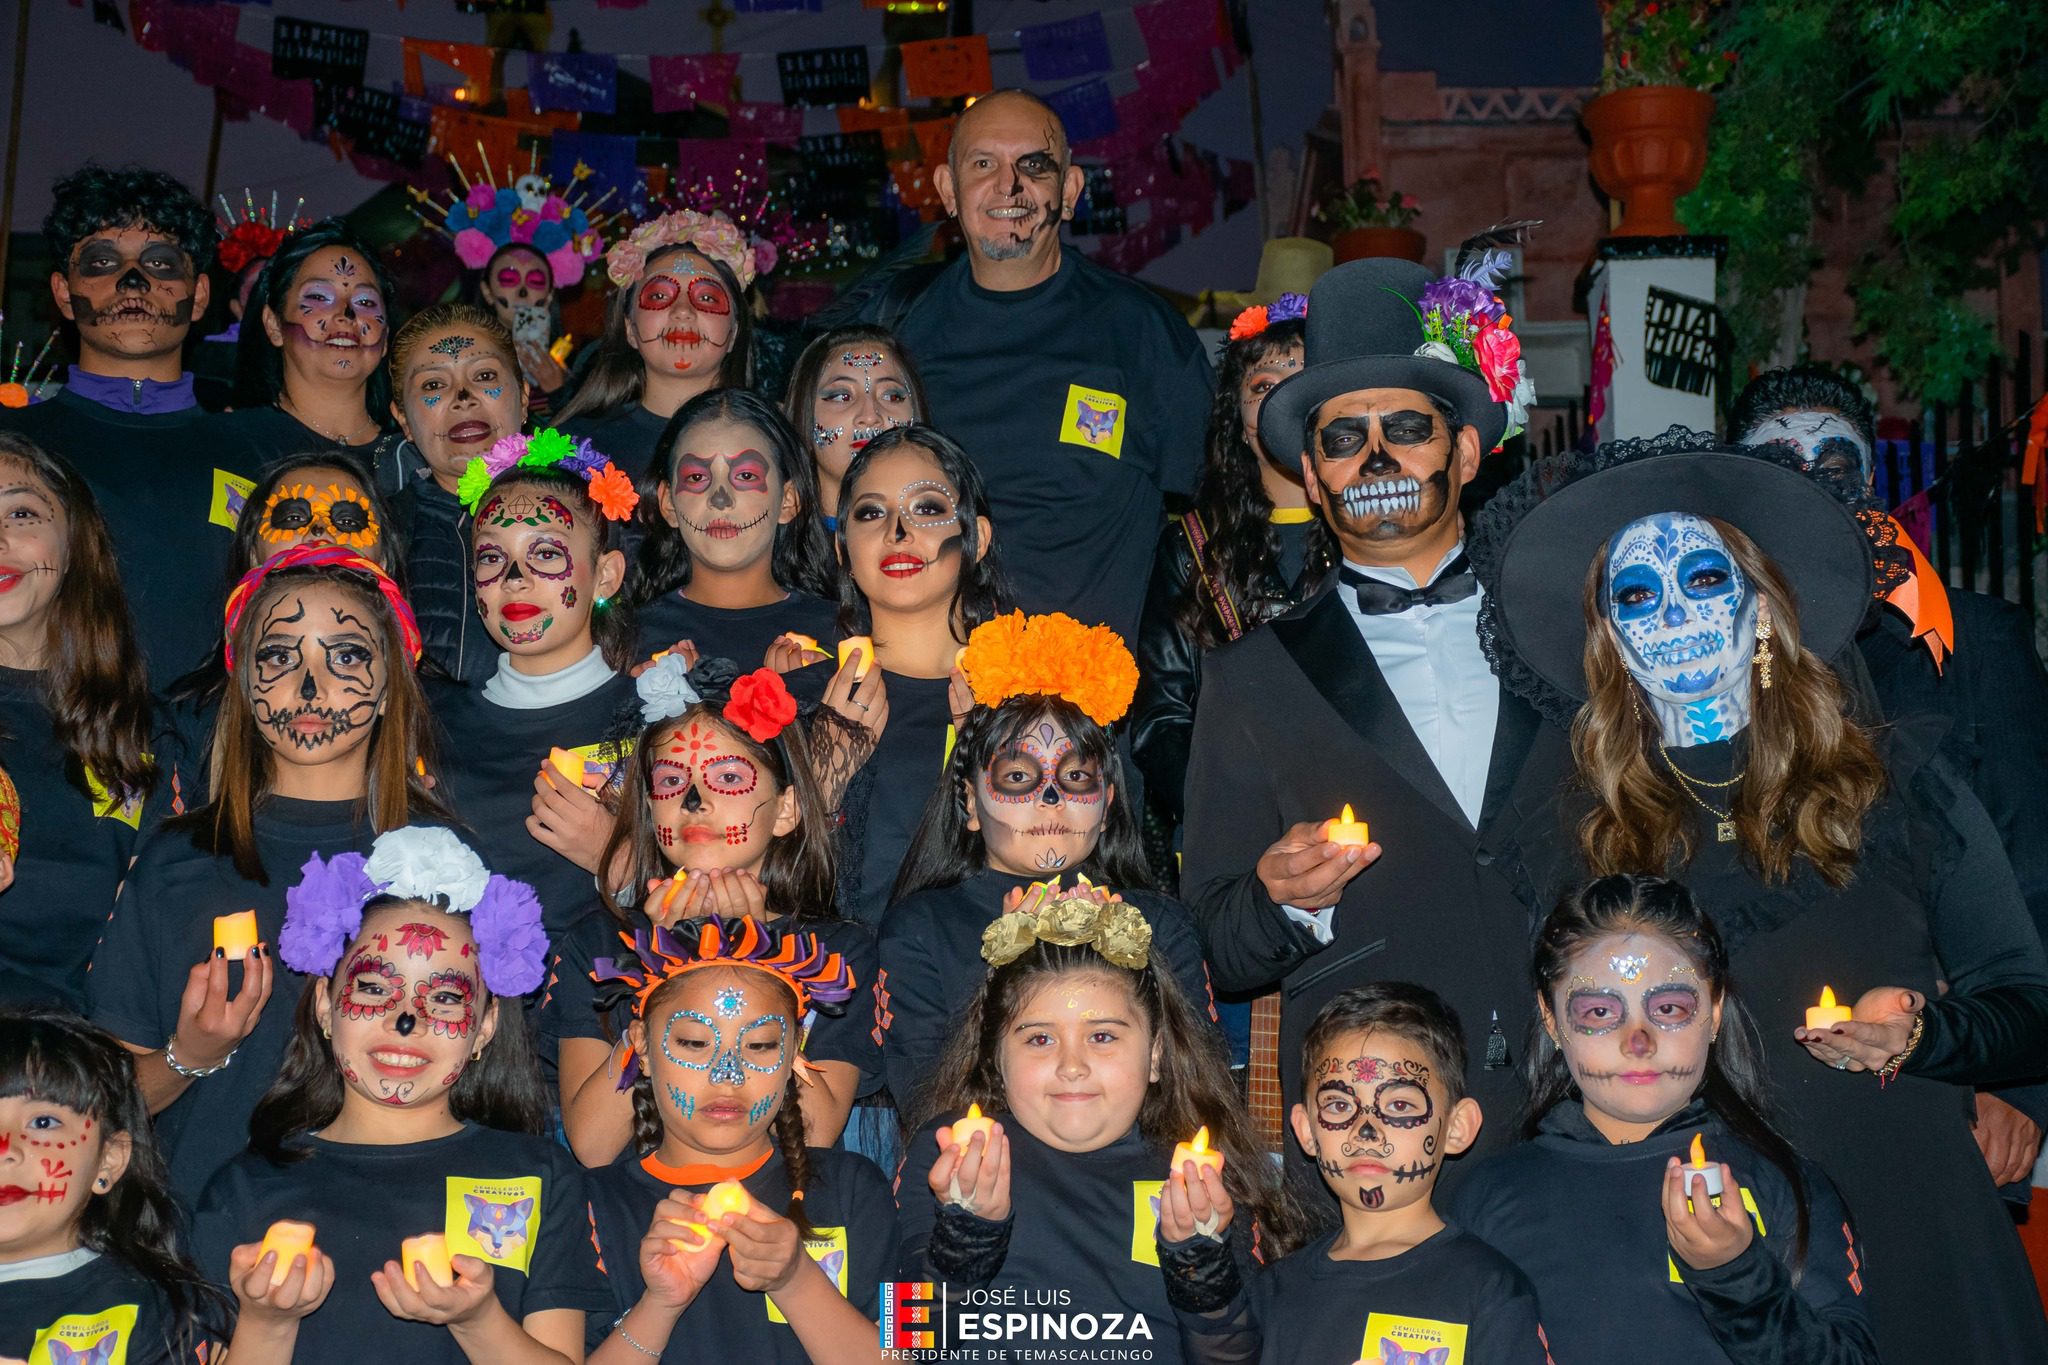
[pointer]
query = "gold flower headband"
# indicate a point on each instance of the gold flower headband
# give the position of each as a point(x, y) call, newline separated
point(1112, 927)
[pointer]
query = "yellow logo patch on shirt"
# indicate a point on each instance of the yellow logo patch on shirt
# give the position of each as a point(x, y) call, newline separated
point(1756, 1216)
point(230, 491)
point(1094, 418)
point(1145, 1220)
point(1394, 1340)
point(86, 1338)
point(595, 763)
point(493, 1220)
point(827, 1247)
point(105, 807)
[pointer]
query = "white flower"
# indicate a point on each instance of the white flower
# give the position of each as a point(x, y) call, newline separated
point(421, 862)
point(1436, 350)
point(665, 690)
point(1523, 398)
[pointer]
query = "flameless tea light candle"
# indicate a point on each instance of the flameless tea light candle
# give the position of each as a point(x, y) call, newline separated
point(963, 1130)
point(567, 764)
point(430, 1250)
point(289, 1240)
point(809, 642)
point(727, 1196)
point(1700, 1170)
point(1347, 830)
point(1198, 1150)
point(236, 934)
point(861, 645)
point(1827, 1013)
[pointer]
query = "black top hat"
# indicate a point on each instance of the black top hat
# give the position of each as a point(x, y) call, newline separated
point(1364, 329)
point(1532, 544)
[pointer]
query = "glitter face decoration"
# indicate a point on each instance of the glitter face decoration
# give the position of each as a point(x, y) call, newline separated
point(333, 320)
point(316, 674)
point(709, 799)
point(682, 317)
point(1376, 1129)
point(860, 395)
point(532, 589)
point(405, 1012)
point(1382, 466)
point(1040, 804)
point(310, 513)
point(1260, 380)
point(1826, 441)
point(721, 1073)
point(903, 531)
point(1627, 1019)
point(725, 496)
point(1686, 618)
point(132, 292)
point(461, 394)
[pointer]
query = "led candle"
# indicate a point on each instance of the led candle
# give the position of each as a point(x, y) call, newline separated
point(809, 642)
point(661, 895)
point(430, 1250)
point(1346, 830)
point(567, 764)
point(727, 1196)
point(963, 1130)
point(289, 1240)
point(1198, 1151)
point(235, 935)
point(1827, 1013)
point(1700, 1170)
point(861, 645)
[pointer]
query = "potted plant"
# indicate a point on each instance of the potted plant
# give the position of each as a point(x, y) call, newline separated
point(1649, 124)
point(1371, 220)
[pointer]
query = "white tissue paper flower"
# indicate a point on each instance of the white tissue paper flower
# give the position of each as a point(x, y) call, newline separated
point(665, 690)
point(421, 862)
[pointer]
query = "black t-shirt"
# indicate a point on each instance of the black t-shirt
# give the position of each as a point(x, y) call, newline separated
point(162, 926)
point(92, 1314)
point(170, 486)
point(885, 802)
point(490, 755)
point(514, 1200)
point(72, 856)
point(1080, 400)
point(853, 1240)
point(931, 966)
point(743, 634)
point(626, 437)
point(569, 1010)
point(276, 436)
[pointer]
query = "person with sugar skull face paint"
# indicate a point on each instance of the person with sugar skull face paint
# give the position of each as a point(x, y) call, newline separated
point(518, 284)
point(848, 387)
point(1713, 739)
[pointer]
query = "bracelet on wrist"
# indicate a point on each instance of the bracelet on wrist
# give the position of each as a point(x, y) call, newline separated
point(619, 1328)
point(1891, 1067)
point(193, 1073)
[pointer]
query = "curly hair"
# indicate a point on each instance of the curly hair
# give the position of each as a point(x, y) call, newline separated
point(95, 197)
point(1802, 388)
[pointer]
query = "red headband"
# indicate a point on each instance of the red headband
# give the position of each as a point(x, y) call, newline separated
point(321, 557)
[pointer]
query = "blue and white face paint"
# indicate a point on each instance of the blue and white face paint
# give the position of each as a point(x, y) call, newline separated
point(1686, 618)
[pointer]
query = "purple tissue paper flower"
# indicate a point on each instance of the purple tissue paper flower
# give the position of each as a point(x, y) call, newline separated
point(323, 912)
point(1460, 298)
point(1287, 308)
point(511, 945)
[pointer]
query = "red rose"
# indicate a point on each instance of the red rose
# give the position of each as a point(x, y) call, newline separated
point(761, 705)
point(1500, 355)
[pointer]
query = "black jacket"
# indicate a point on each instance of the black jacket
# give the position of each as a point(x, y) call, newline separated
point(440, 587)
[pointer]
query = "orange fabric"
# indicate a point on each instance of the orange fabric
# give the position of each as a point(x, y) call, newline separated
point(1923, 600)
point(2031, 473)
point(702, 1173)
point(2033, 1225)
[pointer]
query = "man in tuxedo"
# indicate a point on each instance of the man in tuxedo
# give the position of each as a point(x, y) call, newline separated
point(1374, 693)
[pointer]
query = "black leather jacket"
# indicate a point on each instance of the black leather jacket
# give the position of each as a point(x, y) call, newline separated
point(439, 581)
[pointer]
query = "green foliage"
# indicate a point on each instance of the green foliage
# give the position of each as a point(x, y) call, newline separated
point(1661, 42)
point(1366, 203)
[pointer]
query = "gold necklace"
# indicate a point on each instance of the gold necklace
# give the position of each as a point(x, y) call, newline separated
point(289, 408)
point(1724, 820)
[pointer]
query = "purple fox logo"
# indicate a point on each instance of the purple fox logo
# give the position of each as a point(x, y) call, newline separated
point(99, 1353)
point(1095, 424)
point(1391, 1353)
point(494, 1225)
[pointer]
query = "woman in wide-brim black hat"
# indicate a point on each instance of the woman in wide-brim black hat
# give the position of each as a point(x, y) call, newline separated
point(1830, 848)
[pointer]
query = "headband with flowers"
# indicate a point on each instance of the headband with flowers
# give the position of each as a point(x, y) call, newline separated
point(324, 912)
point(1465, 322)
point(1054, 656)
point(758, 702)
point(712, 234)
point(317, 556)
point(1112, 927)
point(799, 961)
point(255, 233)
point(1255, 320)
point(610, 487)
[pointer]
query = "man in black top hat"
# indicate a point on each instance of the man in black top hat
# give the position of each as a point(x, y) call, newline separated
point(1375, 693)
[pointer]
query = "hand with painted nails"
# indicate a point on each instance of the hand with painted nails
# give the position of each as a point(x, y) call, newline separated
point(468, 1300)
point(791, 652)
point(976, 1177)
point(269, 1301)
point(766, 1251)
point(1703, 1234)
point(686, 648)
point(679, 1254)
point(1194, 1202)
point(571, 821)
point(212, 1023)
point(1878, 1029)
point(1306, 870)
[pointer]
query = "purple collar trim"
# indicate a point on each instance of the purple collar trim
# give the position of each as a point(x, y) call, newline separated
point(133, 395)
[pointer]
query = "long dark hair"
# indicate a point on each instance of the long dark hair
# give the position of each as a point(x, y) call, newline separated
point(92, 681)
point(1736, 1082)
point(259, 366)
point(617, 376)
point(501, 1089)
point(799, 399)
point(802, 558)
point(1232, 503)
point(944, 852)
point(788, 1132)
point(1194, 1088)
point(983, 592)
point(58, 1058)
point(207, 681)
point(611, 621)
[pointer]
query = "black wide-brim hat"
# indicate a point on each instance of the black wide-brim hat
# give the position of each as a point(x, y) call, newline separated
point(1364, 327)
point(1531, 546)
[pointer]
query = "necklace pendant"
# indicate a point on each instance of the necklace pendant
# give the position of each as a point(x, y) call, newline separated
point(1725, 831)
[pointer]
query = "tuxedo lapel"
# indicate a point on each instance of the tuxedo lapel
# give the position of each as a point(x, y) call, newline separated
point(1514, 730)
point(1325, 645)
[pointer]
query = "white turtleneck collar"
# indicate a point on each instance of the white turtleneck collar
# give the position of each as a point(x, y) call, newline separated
point(518, 691)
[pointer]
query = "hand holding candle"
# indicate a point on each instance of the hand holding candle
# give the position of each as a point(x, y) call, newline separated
point(858, 646)
point(973, 1177)
point(430, 1250)
point(567, 764)
point(1827, 1013)
point(963, 1130)
point(1347, 830)
point(289, 1240)
point(235, 934)
point(1197, 1150)
point(727, 1196)
point(1699, 1170)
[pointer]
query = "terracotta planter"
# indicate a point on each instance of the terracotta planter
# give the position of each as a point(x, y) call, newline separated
point(1649, 147)
point(1405, 243)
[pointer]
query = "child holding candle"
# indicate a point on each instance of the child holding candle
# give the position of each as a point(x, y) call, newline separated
point(1383, 1107)
point(410, 1103)
point(1034, 792)
point(1093, 1063)
point(701, 1262)
point(90, 1247)
point(718, 814)
point(1645, 1057)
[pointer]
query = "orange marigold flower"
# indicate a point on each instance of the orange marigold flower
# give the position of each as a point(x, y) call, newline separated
point(1054, 656)
point(613, 492)
point(1249, 323)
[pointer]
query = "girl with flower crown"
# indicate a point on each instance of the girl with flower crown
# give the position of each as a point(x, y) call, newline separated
point(409, 1105)
point(321, 744)
point(678, 325)
point(1033, 793)
point(718, 814)
point(718, 1009)
point(1093, 1062)
point(525, 756)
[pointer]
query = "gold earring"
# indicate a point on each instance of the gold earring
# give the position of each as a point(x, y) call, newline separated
point(1762, 658)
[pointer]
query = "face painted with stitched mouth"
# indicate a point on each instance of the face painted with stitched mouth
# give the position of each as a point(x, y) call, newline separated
point(1635, 1023)
point(332, 325)
point(1383, 467)
point(535, 566)
point(861, 393)
point(35, 549)
point(714, 804)
point(725, 496)
point(460, 394)
point(406, 1009)
point(903, 532)
point(1827, 442)
point(682, 317)
point(1040, 804)
point(718, 1046)
point(1683, 609)
point(134, 293)
point(316, 676)
point(50, 1155)
point(1077, 1060)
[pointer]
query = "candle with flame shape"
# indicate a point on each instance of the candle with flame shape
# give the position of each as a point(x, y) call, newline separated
point(1827, 1013)
point(1700, 1170)
point(1197, 1150)
point(963, 1130)
point(1345, 829)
